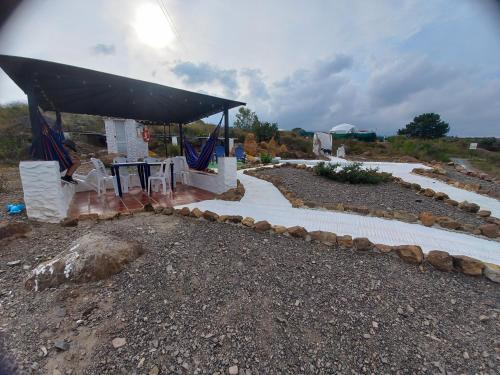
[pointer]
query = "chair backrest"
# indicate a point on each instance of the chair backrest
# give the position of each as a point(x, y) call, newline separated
point(219, 151)
point(99, 167)
point(239, 152)
point(165, 168)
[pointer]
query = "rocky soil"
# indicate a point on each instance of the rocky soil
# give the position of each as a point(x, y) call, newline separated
point(385, 196)
point(218, 298)
point(10, 193)
point(451, 172)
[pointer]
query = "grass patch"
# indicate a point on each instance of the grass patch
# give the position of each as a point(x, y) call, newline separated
point(353, 173)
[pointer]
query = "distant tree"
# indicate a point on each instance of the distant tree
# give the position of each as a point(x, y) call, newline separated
point(426, 125)
point(264, 131)
point(245, 119)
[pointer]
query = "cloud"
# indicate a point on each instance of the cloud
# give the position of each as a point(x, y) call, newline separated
point(257, 88)
point(197, 74)
point(104, 49)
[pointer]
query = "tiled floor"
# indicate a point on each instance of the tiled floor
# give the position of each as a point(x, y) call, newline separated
point(89, 202)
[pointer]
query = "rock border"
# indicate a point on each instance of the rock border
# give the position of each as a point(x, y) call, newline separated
point(490, 229)
point(413, 254)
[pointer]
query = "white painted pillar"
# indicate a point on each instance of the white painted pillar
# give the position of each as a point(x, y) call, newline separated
point(46, 197)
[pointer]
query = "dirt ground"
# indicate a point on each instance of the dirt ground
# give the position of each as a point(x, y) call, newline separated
point(208, 296)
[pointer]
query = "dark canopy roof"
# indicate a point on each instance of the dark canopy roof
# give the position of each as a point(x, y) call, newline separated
point(67, 88)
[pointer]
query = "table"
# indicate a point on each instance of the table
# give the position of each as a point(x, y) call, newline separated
point(143, 171)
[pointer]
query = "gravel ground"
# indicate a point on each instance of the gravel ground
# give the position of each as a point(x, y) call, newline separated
point(453, 173)
point(384, 196)
point(208, 296)
point(10, 193)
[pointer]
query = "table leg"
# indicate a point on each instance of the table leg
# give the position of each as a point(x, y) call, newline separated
point(115, 171)
point(140, 172)
point(172, 182)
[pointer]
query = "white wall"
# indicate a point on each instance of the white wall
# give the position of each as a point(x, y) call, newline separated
point(46, 197)
point(136, 147)
point(218, 183)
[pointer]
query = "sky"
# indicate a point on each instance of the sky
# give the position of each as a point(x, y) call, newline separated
point(309, 64)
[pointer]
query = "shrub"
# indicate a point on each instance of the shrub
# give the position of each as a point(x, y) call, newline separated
point(265, 158)
point(173, 150)
point(250, 146)
point(353, 173)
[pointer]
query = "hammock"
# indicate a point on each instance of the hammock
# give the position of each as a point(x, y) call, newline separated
point(51, 142)
point(200, 162)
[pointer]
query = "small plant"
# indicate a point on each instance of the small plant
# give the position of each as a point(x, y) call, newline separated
point(173, 150)
point(266, 158)
point(353, 173)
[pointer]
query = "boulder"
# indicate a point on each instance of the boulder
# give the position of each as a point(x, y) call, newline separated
point(345, 241)
point(69, 222)
point(428, 192)
point(451, 202)
point(416, 187)
point(489, 230)
point(235, 219)
point(197, 213)
point(440, 196)
point(427, 219)
point(168, 211)
point(90, 257)
point(449, 223)
point(222, 218)
point(362, 244)
point(280, 229)
point(492, 272)
point(185, 211)
point(248, 222)
point(468, 207)
point(440, 260)
point(14, 230)
point(405, 216)
point(210, 216)
point(381, 248)
point(297, 232)
point(324, 237)
point(468, 265)
point(410, 253)
point(262, 226)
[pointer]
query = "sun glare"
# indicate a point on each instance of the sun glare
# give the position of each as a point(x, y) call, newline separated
point(152, 26)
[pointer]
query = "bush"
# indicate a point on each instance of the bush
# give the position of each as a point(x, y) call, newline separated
point(266, 158)
point(352, 173)
point(173, 150)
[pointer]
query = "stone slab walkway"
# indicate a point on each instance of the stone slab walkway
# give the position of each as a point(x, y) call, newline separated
point(263, 201)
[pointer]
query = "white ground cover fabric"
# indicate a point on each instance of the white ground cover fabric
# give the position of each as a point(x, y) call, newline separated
point(262, 201)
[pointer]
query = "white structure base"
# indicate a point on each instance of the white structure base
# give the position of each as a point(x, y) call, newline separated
point(218, 183)
point(46, 197)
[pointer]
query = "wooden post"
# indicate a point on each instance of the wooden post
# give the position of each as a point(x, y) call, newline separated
point(226, 132)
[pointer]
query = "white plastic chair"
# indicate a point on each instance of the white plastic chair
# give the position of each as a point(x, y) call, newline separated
point(103, 177)
point(162, 177)
point(181, 169)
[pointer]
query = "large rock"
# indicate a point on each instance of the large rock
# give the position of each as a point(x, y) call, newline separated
point(441, 196)
point(184, 211)
point(468, 265)
point(345, 241)
point(362, 244)
point(248, 222)
point(405, 216)
point(298, 232)
point(236, 219)
point(483, 213)
point(492, 272)
point(210, 216)
point(384, 249)
point(489, 230)
point(428, 192)
point(440, 260)
point(469, 207)
point(14, 230)
point(90, 257)
point(196, 212)
point(427, 219)
point(279, 229)
point(449, 223)
point(324, 237)
point(262, 226)
point(410, 253)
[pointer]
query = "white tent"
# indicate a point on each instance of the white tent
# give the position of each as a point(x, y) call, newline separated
point(322, 142)
point(343, 129)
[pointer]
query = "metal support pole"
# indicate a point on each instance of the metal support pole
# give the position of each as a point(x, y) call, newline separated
point(36, 130)
point(181, 140)
point(226, 132)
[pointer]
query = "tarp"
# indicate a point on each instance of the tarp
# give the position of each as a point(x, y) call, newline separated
point(343, 129)
point(322, 142)
point(66, 88)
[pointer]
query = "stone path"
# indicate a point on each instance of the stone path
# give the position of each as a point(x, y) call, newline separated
point(263, 201)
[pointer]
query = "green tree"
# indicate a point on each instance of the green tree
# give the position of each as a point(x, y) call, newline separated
point(427, 125)
point(245, 119)
point(264, 131)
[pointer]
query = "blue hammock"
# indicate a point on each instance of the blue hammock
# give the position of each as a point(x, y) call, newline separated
point(51, 142)
point(200, 162)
